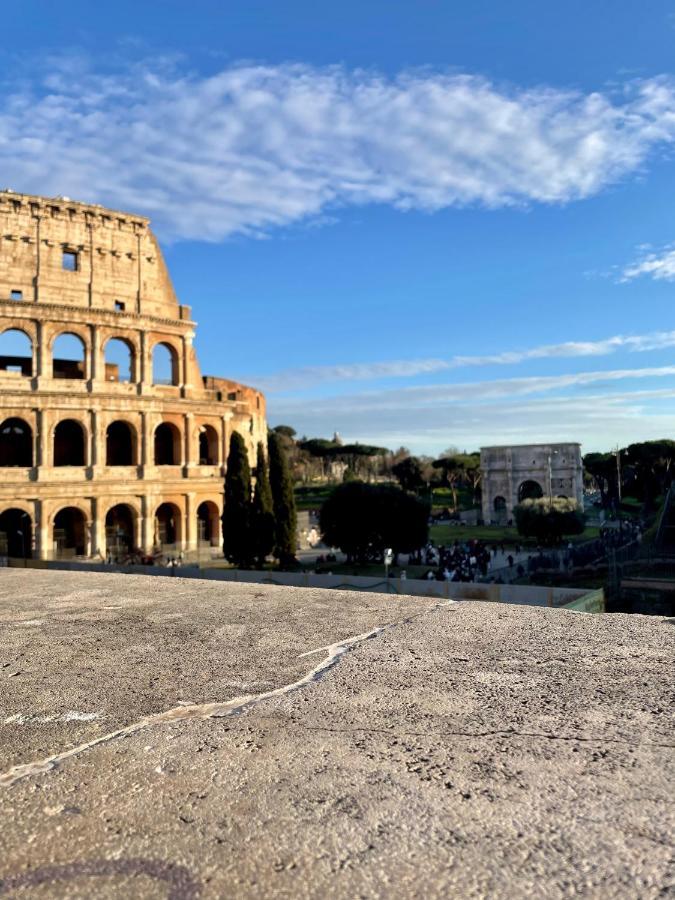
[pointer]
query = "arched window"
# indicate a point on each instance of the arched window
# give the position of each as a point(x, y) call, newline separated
point(70, 533)
point(167, 524)
point(69, 444)
point(119, 361)
point(16, 443)
point(530, 490)
point(500, 504)
point(119, 445)
point(68, 357)
point(16, 352)
point(207, 523)
point(167, 445)
point(208, 446)
point(119, 530)
point(164, 364)
point(16, 534)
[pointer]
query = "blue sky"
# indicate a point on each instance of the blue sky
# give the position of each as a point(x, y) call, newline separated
point(422, 223)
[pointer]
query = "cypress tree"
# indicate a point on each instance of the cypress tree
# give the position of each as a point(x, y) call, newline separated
point(237, 537)
point(285, 541)
point(263, 510)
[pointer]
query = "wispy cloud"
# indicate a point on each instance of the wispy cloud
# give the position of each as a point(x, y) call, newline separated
point(310, 376)
point(431, 396)
point(658, 265)
point(255, 147)
point(483, 414)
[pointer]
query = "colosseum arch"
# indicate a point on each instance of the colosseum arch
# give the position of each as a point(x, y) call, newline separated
point(70, 443)
point(167, 445)
point(16, 352)
point(121, 524)
point(119, 360)
point(69, 356)
point(16, 443)
point(168, 524)
point(16, 533)
point(165, 364)
point(208, 523)
point(121, 442)
point(70, 532)
point(208, 445)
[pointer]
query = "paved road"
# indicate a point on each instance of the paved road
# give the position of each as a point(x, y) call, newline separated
point(169, 738)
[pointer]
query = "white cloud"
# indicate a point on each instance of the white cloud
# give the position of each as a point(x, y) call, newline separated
point(309, 376)
point(659, 266)
point(254, 147)
point(431, 396)
point(514, 410)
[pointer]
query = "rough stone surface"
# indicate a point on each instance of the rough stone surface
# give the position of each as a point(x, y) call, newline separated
point(467, 749)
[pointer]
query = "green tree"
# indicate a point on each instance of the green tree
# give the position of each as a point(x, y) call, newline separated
point(285, 517)
point(603, 470)
point(549, 521)
point(263, 511)
point(237, 536)
point(408, 473)
point(363, 519)
point(651, 464)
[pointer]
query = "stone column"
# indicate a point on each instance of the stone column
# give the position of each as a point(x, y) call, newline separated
point(96, 442)
point(188, 458)
point(145, 526)
point(41, 353)
point(98, 538)
point(144, 369)
point(190, 530)
point(96, 363)
point(185, 380)
point(43, 548)
point(146, 445)
point(225, 447)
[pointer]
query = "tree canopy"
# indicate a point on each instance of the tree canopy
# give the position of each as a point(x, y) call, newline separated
point(262, 513)
point(237, 535)
point(549, 521)
point(285, 516)
point(364, 519)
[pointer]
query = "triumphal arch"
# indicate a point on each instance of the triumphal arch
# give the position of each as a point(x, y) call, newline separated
point(515, 473)
point(111, 440)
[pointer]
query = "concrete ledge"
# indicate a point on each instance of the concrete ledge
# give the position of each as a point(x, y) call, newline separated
point(174, 737)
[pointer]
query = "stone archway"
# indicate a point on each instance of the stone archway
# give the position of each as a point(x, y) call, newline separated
point(70, 533)
point(16, 534)
point(530, 490)
point(208, 523)
point(168, 524)
point(16, 443)
point(120, 530)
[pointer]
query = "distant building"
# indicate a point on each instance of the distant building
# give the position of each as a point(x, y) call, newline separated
point(514, 473)
point(98, 457)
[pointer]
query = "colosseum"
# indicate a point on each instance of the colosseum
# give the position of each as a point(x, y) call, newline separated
point(111, 442)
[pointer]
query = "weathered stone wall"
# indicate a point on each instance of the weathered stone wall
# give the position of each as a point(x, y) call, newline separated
point(69, 268)
point(556, 468)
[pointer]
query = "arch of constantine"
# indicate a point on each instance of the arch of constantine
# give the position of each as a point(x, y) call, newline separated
point(515, 473)
point(110, 437)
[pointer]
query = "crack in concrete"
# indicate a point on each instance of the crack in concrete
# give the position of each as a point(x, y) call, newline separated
point(219, 709)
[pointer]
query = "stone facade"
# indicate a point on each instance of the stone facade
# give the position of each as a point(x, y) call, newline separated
point(509, 474)
point(96, 458)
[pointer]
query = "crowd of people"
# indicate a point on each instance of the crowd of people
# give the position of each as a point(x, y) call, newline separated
point(458, 562)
